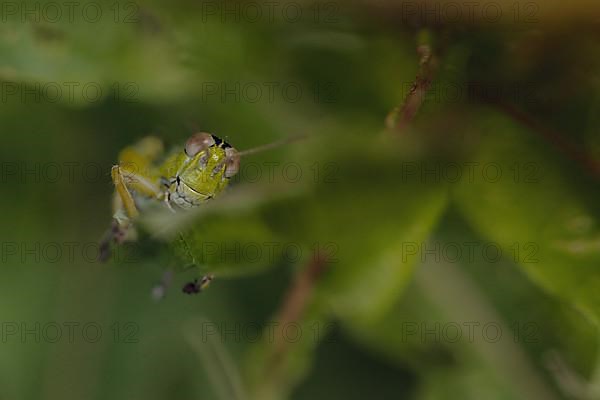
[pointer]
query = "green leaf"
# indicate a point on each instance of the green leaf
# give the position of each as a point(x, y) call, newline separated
point(361, 213)
point(535, 209)
point(229, 245)
point(439, 328)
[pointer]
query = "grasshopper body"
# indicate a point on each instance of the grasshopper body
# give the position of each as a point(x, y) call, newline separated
point(184, 179)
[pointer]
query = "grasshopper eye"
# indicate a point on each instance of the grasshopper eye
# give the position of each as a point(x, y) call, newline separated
point(198, 142)
point(232, 165)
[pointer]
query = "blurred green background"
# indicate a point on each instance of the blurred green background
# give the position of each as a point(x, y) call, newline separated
point(463, 247)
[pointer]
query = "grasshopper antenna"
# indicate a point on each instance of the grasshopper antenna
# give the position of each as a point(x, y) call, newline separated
point(269, 146)
point(233, 157)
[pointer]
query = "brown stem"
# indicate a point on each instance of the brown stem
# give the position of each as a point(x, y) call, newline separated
point(566, 147)
point(294, 306)
point(400, 117)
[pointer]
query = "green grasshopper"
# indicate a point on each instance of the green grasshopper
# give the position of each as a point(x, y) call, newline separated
point(183, 180)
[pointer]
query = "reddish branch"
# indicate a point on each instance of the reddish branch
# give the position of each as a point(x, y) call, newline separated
point(401, 116)
point(565, 146)
point(295, 303)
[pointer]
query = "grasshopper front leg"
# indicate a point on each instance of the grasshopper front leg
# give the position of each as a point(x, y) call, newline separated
point(126, 181)
point(123, 198)
point(137, 174)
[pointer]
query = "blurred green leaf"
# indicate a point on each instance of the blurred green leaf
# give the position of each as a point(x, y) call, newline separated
point(229, 246)
point(521, 199)
point(366, 214)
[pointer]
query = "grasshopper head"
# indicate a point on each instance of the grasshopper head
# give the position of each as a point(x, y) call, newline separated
point(208, 164)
